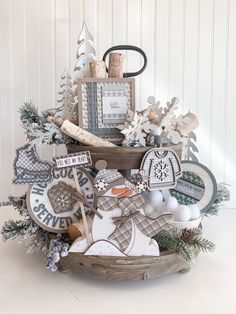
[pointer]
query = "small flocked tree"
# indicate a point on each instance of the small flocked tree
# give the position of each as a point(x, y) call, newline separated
point(85, 54)
point(66, 96)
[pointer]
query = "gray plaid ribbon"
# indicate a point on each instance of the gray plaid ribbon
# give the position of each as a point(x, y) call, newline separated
point(149, 227)
point(125, 203)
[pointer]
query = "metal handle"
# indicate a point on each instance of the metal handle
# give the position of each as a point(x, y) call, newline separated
point(128, 47)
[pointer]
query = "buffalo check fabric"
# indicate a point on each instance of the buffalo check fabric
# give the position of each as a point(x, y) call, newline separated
point(125, 203)
point(149, 227)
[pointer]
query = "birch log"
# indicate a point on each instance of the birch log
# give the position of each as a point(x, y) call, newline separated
point(98, 69)
point(116, 64)
point(83, 136)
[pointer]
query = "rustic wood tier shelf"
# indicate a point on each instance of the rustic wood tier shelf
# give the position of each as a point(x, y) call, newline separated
point(121, 158)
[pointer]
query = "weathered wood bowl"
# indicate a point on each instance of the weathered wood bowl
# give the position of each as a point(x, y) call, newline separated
point(126, 268)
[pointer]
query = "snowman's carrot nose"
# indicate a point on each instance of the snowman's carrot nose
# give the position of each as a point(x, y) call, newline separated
point(122, 192)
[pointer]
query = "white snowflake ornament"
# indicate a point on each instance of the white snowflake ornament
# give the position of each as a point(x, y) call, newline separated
point(100, 185)
point(141, 186)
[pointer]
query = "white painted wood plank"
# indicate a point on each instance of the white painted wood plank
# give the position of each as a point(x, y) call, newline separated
point(60, 41)
point(20, 68)
point(104, 34)
point(218, 88)
point(6, 100)
point(177, 35)
point(162, 50)
point(147, 84)
point(189, 93)
point(134, 37)
point(90, 17)
point(46, 54)
point(32, 50)
point(205, 79)
point(229, 106)
point(76, 18)
point(119, 22)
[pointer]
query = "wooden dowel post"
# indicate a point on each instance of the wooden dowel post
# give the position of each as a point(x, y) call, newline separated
point(86, 228)
point(98, 69)
point(116, 64)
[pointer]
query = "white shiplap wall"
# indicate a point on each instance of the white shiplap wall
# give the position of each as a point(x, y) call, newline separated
point(191, 48)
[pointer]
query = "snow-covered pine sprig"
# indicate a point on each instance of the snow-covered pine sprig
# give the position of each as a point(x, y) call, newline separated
point(175, 241)
point(222, 196)
point(25, 230)
point(33, 237)
point(38, 130)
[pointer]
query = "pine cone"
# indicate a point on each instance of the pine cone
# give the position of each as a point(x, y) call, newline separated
point(187, 236)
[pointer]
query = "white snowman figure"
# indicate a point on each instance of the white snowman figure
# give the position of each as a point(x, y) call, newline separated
point(124, 229)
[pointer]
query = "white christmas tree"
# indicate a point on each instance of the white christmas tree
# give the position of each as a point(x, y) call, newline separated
point(66, 96)
point(85, 54)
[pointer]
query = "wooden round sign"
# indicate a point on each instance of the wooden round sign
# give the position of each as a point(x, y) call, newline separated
point(55, 206)
point(197, 185)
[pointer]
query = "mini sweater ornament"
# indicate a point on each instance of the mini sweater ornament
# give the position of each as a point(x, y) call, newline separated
point(161, 168)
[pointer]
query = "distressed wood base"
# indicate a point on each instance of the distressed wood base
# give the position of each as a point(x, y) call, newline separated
point(130, 268)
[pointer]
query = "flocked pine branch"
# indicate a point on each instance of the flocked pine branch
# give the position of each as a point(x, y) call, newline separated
point(33, 236)
point(222, 196)
point(185, 242)
point(12, 229)
point(38, 130)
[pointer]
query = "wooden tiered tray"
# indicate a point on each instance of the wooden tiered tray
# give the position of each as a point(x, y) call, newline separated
point(126, 268)
point(129, 268)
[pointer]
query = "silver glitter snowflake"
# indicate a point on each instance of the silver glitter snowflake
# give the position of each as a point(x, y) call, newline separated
point(100, 185)
point(161, 170)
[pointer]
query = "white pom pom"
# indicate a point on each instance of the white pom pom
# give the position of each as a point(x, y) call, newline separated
point(148, 209)
point(195, 211)
point(155, 198)
point(182, 213)
point(171, 203)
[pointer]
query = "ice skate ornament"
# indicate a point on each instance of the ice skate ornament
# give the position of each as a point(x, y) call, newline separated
point(161, 168)
point(29, 168)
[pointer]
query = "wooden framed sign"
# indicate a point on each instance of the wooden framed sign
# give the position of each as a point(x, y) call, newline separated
point(197, 185)
point(103, 104)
